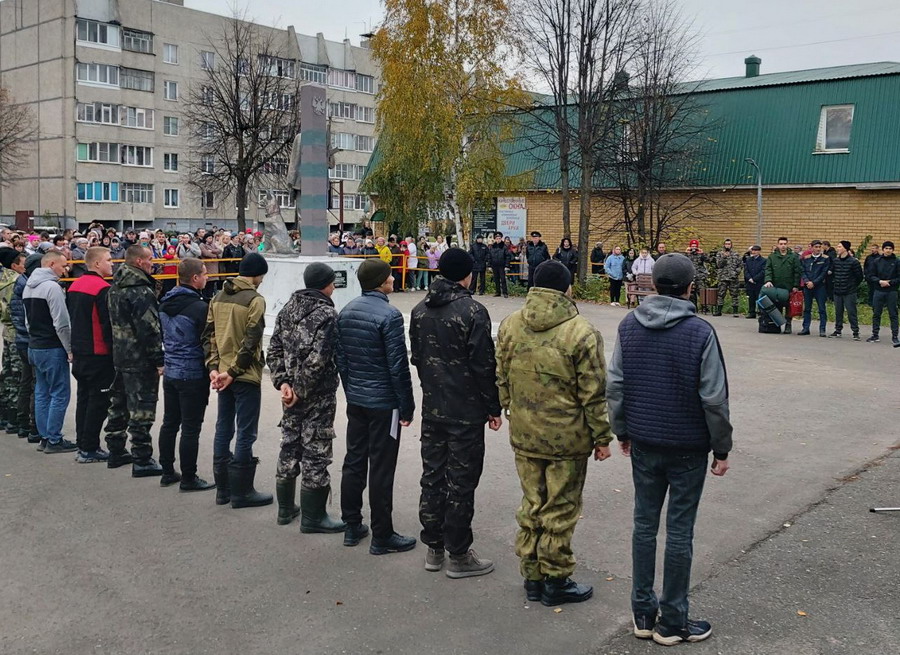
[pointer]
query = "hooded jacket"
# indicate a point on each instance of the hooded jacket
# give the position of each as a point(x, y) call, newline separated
point(45, 312)
point(302, 349)
point(182, 313)
point(885, 268)
point(87, 300)
point(134, 314)
point(568, 257)
point(551, 374)
point(668, 387)
point(480, 254)
point(452, 348)
point(17, 313)
point(232, 338)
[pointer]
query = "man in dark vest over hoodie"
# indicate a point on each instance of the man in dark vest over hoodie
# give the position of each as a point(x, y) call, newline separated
point(668, 404)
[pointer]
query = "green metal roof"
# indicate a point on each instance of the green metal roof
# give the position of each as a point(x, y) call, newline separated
point(796, 77)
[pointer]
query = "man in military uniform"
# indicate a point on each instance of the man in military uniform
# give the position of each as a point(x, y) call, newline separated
point(302, 364)
point(138, 359)
point(730, 267)
point(698, 259)
point(552, 378)
point(536, 253)
point(13, 263)
point(452, 348)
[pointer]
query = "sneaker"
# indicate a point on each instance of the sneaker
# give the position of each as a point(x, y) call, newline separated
point(354, 532)
point(169, 478)
point(802, 333)
point(61, 446)
point(836, 334)
point(856, 336)
point(643, 625)
point(468, 566)
point(896, 342)
point(434, 559)
point(41, 445)
point(396, 543)
point(564, 590)
point(534, 589)
point(694, 631)
point(823, 335)
point(873, 339)
point(34, 438)
point(91, 456)
point(196, 484)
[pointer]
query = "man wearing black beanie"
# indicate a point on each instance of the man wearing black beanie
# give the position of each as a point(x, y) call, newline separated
point(847, 274)
point(452, 348)
point(552, 378)
point(885, 276)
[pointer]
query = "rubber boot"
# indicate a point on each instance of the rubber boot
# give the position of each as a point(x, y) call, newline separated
point(285, 490)
point(315, 518)
point(717, 310)
point(223, 488)
point(241, 476)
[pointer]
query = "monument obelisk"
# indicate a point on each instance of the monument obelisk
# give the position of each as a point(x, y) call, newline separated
point(314, 170)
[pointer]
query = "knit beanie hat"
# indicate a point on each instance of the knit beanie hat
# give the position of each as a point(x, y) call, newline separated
point(553, 274)
point(846, 245)
point(887, 244)
point(372, 273)
point(673, 271)
point(8, 256)
point(455, 264)
point(253, 264)
point(33, 262)
point(318, 275)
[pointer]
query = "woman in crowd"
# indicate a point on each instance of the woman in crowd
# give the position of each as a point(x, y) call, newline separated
point(170, 255)
point(568, 256)
point(440, 244)
point(433, 259)
point(233, 251)
point(615, 271)
point(369, 249)
point(630, 256)
point(209, 251)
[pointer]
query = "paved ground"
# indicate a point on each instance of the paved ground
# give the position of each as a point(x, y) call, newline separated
point(96, 562)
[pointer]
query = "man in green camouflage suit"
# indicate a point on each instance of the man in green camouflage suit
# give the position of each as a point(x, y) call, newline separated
point(138, 358)
point(302, 365)
point(552, 378)
point(13, 266)
point(730, 267)
point(698, 259)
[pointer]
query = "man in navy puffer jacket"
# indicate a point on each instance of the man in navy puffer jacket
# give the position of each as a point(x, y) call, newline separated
point(182, 313)
point(372, 361)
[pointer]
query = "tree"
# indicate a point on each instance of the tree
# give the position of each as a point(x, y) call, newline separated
point(243, 116)
point(16, 127)
point(440, 108)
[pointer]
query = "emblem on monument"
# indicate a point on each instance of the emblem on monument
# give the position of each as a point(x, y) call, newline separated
point(319, 105)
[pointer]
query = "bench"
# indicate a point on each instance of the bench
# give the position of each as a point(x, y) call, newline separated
point(641, 286)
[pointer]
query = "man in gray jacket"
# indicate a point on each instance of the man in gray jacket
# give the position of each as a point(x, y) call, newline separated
point(668, 425)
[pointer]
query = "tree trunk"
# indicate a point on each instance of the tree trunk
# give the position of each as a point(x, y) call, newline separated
point(584, 219)
point(241, 199)
point(564, 182)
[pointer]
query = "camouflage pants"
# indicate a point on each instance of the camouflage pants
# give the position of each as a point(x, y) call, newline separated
point(452, 462)
point(132, 408)
point(697, 293)
point(307, 431)
point(733, 287)
point(25, 408)
point(551, 505)
point(10, 379)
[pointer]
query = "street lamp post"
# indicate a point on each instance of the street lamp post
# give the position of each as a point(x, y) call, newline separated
point(759, 215)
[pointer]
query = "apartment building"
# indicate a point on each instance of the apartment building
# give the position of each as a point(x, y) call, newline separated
point(107, 81)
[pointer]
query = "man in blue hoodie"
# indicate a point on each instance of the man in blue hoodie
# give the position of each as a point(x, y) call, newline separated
point(668, 429)
point(815, 276)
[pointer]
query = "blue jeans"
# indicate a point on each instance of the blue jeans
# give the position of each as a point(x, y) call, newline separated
point(818, 294)
point(238, 407)
point(655, 473)
point(52, 390)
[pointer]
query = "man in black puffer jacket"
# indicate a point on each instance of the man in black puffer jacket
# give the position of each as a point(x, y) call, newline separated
point(480, 255)
point(500, 258)
point(372, 361)
point(885, 277)
point(846, 276)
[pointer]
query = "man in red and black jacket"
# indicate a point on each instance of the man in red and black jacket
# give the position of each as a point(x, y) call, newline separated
point(92, 363)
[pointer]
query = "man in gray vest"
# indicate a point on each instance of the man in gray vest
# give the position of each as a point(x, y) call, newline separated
point(668, 425)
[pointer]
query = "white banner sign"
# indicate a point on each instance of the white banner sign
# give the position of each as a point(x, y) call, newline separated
point(512, 217)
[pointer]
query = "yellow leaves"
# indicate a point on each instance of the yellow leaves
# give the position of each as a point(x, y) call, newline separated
point(801, 613)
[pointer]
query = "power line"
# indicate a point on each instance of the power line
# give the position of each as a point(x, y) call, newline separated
point(804, 45)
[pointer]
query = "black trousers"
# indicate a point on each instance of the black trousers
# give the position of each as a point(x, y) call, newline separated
point(479, 276)
point(882, 299)
point(615, 290)
point(752, 296)
point(371, 452)
point(184, 406)
point(499, 273)
point(452, 462)
point(25, 409)
point(848, 300)
point(95, 375)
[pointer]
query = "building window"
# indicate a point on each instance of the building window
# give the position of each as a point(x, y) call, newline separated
point(360, 171)
point(90, 31)
point(207, 95)
point(343, 140)
point(207, 164)
point(835, 123)
point(208, 130)
point(136, 80)
point(170, 198)
point(137, 117)
point(97, 112)
point(313, 73)
point(207, 60)
point(100, 74)
point(365, 114)
point(137, 193)
point(365, 83)
point(274, 100)
point(282, 197)
point(341, 79)
point(277, 166)
point(137, 156)
point(97, 191)
point(276, 66)
point(341, 110)
point(101, 153)
point(365, 143)
point(137, 41)
point(170, 53)
point(170, 90)
point(170, 126)
point(342, 172)
point(362, 202)
point(170, 162)
point(207, 200)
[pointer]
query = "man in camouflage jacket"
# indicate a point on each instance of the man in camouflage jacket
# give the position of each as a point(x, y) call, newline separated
point(730, 266)
point(138, 359)
point(552, 378)
point(13, 263)
point(302, 366)
point(698, 259)
point(451, 346)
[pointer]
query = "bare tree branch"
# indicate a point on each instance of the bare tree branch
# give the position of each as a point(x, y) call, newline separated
point(16, 128)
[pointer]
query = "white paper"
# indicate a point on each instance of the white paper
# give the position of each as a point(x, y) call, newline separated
point(395, 424)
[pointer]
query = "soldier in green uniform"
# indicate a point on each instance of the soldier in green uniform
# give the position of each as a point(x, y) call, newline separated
point(552, 379)
point(730, 266)
point(13, 266)
point(698, 259)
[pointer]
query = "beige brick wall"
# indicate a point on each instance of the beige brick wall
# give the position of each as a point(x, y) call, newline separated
point(799, 214)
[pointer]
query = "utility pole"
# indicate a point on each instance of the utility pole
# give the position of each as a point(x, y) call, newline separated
point(759, 214)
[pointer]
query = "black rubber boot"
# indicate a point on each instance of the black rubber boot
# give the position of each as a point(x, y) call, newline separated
point(717, 310)
point(564, 590)
point(285, 490)
point(315, 517)
point(241, 476)
point(223, 488)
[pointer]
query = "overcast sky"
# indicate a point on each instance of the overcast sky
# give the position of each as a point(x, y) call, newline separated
point(775, 30)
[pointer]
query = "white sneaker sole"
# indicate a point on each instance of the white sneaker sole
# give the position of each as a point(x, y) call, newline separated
point(676, 639)
point(641, 634)
point(456, 575)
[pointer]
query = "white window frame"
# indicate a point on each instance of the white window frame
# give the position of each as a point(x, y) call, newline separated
point(99, 152)
point(169, 121)
point(359, 171)
point(277, 66)
point(136, 118)
point(137, 156)
point(140, 194)
point(341, 79)
point(365, 143)
point(137, 41)
point(207, 60)
point(365, 84)
point(170, 54)
point(95, 34)
point(171, 198)
point(343, 140)
point(361, 201)
point(362, 114)
point(170, 162)
point(342, 171)
point(822, 135)
point(103, 75)
point(136, 79)
point(170, 90)
point(207, 164)
point(282, 196)
point(107, 188)
point(89, 112)
point(207, 200)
